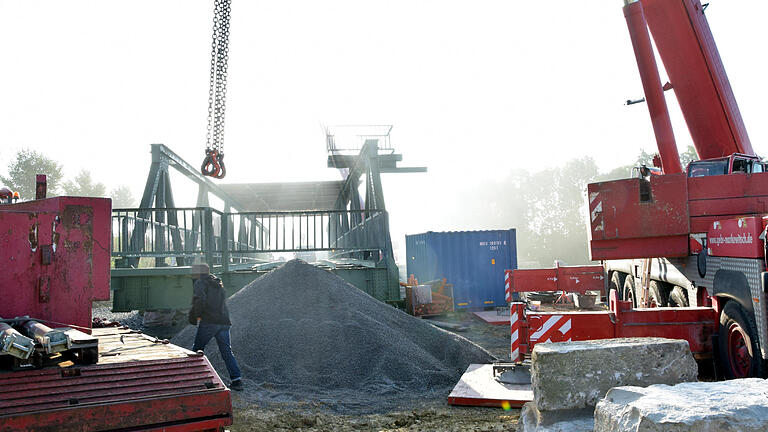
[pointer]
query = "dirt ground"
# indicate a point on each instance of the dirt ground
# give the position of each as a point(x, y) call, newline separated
point(434, 416)
point(431, 415)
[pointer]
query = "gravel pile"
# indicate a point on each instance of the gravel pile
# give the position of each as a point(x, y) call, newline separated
point(103, 310)
point(135, 320)
point(301, 333)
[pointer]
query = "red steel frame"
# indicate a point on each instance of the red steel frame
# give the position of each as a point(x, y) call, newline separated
point(696, 325)
point(571, 279)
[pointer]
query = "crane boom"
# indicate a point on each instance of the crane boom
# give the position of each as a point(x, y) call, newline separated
point(689, 54)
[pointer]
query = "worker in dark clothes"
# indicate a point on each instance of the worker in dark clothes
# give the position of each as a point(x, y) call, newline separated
point(210, 314)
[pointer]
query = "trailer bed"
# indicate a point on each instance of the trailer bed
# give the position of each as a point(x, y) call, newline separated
point(138, 383)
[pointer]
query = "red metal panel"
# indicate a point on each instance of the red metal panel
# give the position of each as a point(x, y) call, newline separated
point(689, 54)
point(673, 246)
point(182, 392)
point(549, 327)
point(146, 414)
point(628, 215)
point(725, 197)
point(583, 326)
point(737, 237)
point(729, 207)
point(654, 215)
point(533, 280)
point(578, 279)
point(728, 186)
point(696, 325)
point(55, 255)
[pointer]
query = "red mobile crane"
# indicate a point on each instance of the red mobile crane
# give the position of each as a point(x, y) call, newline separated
point(693, 239)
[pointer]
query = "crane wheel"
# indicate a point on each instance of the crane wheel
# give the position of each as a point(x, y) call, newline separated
point(656, 295)
point(738, 344)
point(678, 297)
point(616, 283)
point(628, 293)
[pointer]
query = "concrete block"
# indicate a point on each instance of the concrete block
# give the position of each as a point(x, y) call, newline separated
point(575, 375)
point(534, 420)
point(725, 406)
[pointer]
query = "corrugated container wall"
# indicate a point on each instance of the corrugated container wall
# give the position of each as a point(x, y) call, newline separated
point(473, 261)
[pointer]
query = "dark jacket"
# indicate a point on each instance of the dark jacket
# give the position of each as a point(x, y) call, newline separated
point(209, 301)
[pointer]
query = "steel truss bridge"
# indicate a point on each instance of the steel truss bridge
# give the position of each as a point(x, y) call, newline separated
point(154, 245)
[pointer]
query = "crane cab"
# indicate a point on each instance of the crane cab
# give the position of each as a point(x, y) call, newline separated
point(733, 164)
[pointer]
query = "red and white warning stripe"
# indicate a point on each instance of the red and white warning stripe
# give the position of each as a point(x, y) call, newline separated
point(552, 328)
point(508, 285)
point(515, 317)
point(596, 211)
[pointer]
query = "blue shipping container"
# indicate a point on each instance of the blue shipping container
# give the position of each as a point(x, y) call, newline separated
point(473, 261)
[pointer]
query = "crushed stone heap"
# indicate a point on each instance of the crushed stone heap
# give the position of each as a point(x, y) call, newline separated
point(300, 328)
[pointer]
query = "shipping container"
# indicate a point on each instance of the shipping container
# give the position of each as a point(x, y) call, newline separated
point(472, 261)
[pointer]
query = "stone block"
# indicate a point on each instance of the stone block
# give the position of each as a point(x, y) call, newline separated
point(725, 406)
point(575, 375)
point(534, 420)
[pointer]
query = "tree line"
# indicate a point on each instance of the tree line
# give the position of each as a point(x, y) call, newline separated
point(28, 163)
point(548, 208)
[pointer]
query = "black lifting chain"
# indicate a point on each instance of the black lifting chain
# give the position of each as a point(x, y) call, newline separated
point(213, 164)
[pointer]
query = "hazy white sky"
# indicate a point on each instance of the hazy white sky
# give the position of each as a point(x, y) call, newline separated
point(473, 88)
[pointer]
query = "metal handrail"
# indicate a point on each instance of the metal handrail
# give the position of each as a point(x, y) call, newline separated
point(231, 237)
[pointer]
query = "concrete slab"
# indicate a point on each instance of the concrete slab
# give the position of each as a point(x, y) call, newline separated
point(478, 387)
point(725, 406)
point(575, 375)
point(493, 318)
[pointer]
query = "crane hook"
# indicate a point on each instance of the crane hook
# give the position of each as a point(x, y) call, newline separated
point(211, 166)
point(220, 162)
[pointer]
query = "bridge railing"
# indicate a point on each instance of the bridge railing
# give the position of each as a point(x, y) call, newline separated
point(165, 233)
point(173, 236)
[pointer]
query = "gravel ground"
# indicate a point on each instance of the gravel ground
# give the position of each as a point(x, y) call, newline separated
point(303, 335)
point(103, 310)
point(426, 416)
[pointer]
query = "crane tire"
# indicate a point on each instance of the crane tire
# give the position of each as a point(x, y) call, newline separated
point(738, 345)
point(678, 297)
point(628, 293)
point(616, 283)
point(656, 294)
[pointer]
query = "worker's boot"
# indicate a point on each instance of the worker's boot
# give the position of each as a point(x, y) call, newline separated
point(236, 385)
